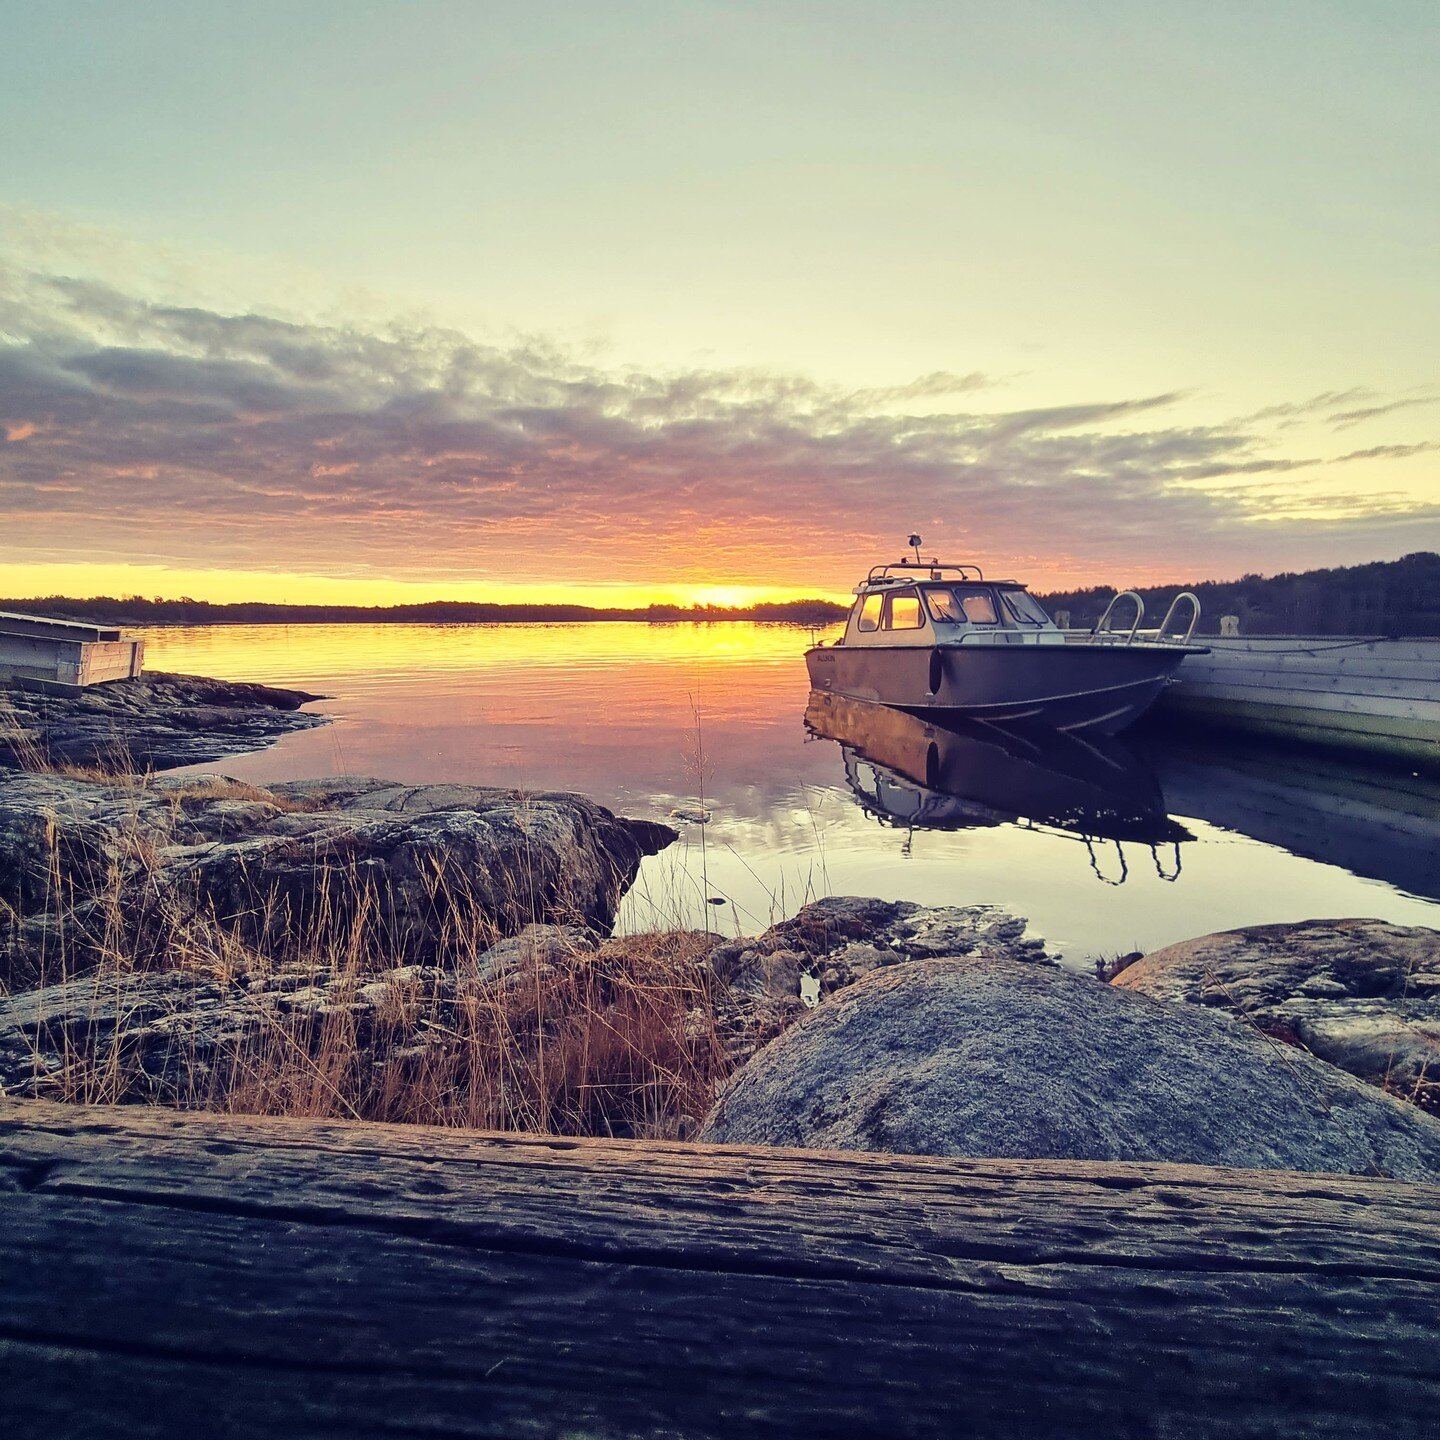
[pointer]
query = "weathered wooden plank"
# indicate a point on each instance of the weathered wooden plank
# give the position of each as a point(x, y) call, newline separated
point(1344, 725)
point(1414, 662)
point(68, 661)
point(13, 622)
point(164, 1274)
point(1411, 742)
point(1348, 667)
point(1345, 668)
point(1383, 697)
point(1336, 647)
point(1424, 711)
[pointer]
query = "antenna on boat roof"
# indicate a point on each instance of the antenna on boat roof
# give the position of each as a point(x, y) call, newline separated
point(914, 543)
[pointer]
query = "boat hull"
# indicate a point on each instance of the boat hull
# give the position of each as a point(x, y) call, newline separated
point(1102, 688)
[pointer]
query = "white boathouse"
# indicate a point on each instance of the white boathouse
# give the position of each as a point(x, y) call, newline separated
point(43, 652)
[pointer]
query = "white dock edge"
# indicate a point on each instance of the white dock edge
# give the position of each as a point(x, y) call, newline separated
point(46, 651)
point(1357, 693)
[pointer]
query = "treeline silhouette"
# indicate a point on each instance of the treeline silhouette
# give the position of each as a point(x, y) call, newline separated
point(1386, 597)
point(140, 610)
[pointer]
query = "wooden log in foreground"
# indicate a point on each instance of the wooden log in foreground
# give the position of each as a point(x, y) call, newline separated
point(165, 1274)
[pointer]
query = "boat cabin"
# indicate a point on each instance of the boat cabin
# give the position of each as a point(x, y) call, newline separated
point(927, 603)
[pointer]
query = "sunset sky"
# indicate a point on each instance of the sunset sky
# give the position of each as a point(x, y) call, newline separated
point(381, 301)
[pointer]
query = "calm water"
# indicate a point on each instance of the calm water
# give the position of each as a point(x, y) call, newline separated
point(1105, 848)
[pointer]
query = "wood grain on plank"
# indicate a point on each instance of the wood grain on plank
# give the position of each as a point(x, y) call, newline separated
point(160, 1272)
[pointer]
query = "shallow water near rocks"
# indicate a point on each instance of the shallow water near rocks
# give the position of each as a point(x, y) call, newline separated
point(1106, 848)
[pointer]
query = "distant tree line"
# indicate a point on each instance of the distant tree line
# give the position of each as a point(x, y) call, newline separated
point(1387, 597)
point(140, 610)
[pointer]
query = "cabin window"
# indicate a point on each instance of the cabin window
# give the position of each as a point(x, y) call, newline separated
point(944, 606)
point(904, 612)
point(979, 607)
point(870, 613)
point(1025, 608)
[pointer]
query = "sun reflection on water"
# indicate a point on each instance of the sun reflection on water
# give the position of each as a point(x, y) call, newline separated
point(618, 711)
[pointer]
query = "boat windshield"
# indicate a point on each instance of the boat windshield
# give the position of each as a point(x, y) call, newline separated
point(1024, 608)
point(961, 605)
point(943, 605)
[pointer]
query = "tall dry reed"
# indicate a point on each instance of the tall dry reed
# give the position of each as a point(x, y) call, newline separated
point(328, 998)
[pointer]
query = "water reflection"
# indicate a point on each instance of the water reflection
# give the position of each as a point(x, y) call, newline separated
point(918, 775)
point(652, 718)
point(1368, 819)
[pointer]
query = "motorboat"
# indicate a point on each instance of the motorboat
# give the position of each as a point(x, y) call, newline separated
point(939, 639)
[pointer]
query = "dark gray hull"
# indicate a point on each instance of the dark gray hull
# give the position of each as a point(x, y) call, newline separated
point(1070, 687)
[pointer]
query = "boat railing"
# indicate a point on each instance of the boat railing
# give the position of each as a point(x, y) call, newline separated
point(1163, 634)
point(1104, 630)
point(936, 569)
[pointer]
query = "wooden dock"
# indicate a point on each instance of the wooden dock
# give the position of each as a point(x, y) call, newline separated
point(1361, 694)
point(40, 651)
point(166, 1275)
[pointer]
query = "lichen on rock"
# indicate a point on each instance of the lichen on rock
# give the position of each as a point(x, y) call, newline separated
point(990, 1058)
point(1362, 994)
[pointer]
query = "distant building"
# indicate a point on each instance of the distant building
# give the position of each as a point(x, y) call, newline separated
point(45, 652)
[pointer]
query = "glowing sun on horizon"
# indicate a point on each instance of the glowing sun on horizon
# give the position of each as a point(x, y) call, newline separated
point(727, 595)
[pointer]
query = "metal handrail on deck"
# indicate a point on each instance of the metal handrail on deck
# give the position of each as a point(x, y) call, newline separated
point(1102, 625)
point(1184, 639)
point(881, 572)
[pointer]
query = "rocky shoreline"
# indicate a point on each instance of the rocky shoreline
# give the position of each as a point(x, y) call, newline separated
point(445, 954)
point(157, 721)
point(317, 860)
point(991, 1059)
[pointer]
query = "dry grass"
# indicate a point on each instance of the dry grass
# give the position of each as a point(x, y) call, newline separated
point(22, 743)
point(207, 788)
point(319, 1011)
point(114, 766)
point(269, 1015)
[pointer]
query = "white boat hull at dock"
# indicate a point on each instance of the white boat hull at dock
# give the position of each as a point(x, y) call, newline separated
point(1365, 694)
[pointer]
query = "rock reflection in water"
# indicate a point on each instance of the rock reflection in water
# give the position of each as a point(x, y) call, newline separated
point(918, 775)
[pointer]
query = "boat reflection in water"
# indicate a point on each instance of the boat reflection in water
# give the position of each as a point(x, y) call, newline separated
point(917, 775)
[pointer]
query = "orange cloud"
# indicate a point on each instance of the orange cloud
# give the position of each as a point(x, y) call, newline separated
point(220, 444)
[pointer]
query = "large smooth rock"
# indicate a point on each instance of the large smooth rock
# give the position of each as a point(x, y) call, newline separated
point(1362, 994)
point(996, 1059)
point(427, 871)
point(157, 721)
